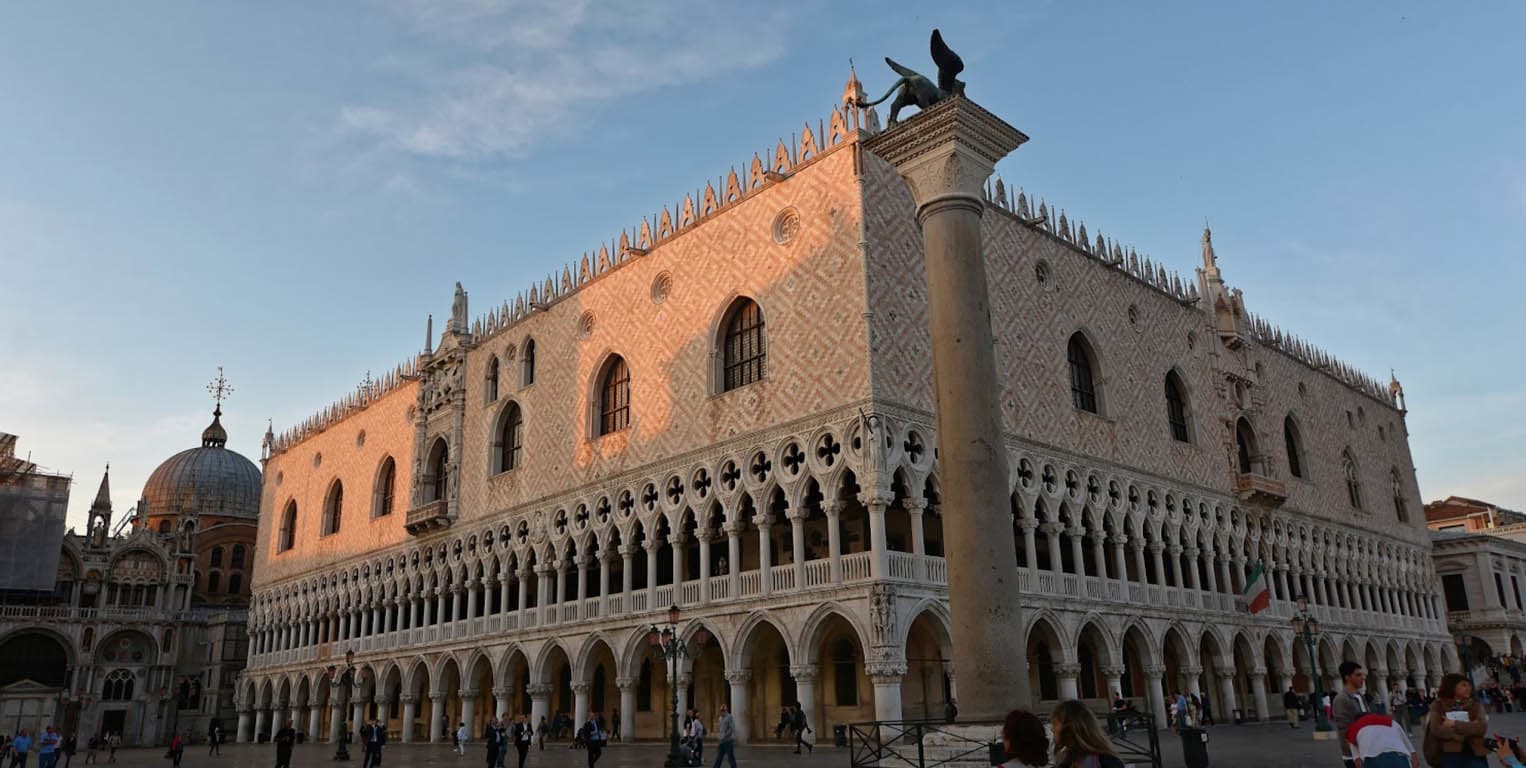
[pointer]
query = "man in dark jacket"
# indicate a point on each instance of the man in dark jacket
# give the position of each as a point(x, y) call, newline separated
point(375, 736)
point(285, 738)
point(494, 738)
point(1290, 702)
point(524, 733)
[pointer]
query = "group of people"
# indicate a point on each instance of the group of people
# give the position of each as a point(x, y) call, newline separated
point(1079, 740)
point(792, 720)
point(49, 743)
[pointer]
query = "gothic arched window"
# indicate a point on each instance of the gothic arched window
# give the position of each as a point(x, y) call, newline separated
point(217, 557)
point(511, 437)
point(746, 346)
point(490, 381)
point(164, 527)
point(214, 580)
point(1083, 373)
point(527, 364)
point(386, 488)
point(1396, 484)
point(1245, 446)
point(1176, 406)
point(1294, 446)
point(118, 686)
point(1353, 483)
point(614, 396)
point(333, 508)
point(288, 535)
point(439, 471)
point(845, 672)
point(237, 560)
point(235, 583)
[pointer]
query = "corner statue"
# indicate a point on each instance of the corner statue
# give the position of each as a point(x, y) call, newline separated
point(914, 89)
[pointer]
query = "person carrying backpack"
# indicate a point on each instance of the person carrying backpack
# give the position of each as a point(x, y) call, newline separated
point(802, 726)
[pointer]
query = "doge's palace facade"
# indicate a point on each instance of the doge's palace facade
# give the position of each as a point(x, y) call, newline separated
point(729, 409)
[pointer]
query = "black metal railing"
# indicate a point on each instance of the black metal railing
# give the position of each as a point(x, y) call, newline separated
point(932, 743)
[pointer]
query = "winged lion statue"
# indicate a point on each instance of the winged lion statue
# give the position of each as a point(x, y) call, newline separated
point(914, 89)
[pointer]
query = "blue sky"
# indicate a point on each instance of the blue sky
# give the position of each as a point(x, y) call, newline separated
point(287, 189)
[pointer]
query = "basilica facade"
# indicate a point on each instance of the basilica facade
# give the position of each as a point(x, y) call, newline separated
point(729, 410)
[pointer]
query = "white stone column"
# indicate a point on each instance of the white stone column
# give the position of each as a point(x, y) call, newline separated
point(1120, 565)
point(540, 702)
point(579, 703)
point(1139, 562)
point(1112, 681)
point(410, 715)
point(314, 721)
point(1160, 564)
point(833, 510)
point(627, 561)
point(1228, 701)
point(1153, 689)
point(805, 691)
point(1077, 531)
point(502, 701)
point(524, 590)
point(733, 560)
point(1258, 694)
point(627, 686)
point(739, 680)
point(468, 712)
point(245, 727)
point(582, 564)
point(1068, 674)
point(797, 545)
point(1051, 531)
point(765, 555)
point(879, 558)
point(703, 536)
point(559, 582)
point(684, 680)
point(261, 723)
point(1189, 569)
point(886, 677)
point(605, 557)
point(336, 716)
point(436, 717)
point(676, 547)
point(357, 714)
point(652, 546)
point(915, 506)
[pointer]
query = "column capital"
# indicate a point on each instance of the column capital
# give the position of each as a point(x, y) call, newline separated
point(873, 499)
point(951, 151)
point(885, 671)
point(1114, 672)
point(538, 690)
point(1225, 670)
point(580, 687)
point(831, 508)
point(502, 691)
point(914, 504)
point(467, 693)
point(628, 550)
point(1154, 671)
point(803, 673)
point(626, 683)
point(738, 676)
point(1067, 670)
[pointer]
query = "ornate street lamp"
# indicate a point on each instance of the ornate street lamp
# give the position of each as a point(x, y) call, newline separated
point(1465, 654)
point(346, 680)
point(1307, 627)
point(666, 644)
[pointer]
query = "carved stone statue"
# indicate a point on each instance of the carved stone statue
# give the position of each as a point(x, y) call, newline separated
point(914, 89)
point(458, 311)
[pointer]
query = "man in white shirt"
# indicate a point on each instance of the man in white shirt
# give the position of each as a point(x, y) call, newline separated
point(1376, 741)
point(696, 734)
point(461, 737)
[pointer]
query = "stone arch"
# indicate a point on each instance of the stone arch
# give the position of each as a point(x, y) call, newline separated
point(926, 686)
point(746, 633)
point(597, 666)
point(1179, 655)
point(720, 323)
point(765, 648)
point(1047, 650)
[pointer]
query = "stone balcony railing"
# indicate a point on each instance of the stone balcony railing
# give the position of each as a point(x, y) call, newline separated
point(428, 517)
point(114, 615)
point(1252, 487)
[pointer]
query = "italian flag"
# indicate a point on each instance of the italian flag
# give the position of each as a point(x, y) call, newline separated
point(1258, 592)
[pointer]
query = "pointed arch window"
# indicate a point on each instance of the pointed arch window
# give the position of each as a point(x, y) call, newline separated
point(386, 488)
point(118, 686)
point(237, 561)
point(288, 535)
point(1083, 373)
point(615, 397)
point(527, 364)
point(1396, 485)
point(490, 381)
point(439, 471)
point(333, 508)
point(746, 346)
point(1245, 447)
point(1353, 482)
point(511, 437)
point(1294, 446)
point(1176, 407)
point(845, 672)
point(217, 557)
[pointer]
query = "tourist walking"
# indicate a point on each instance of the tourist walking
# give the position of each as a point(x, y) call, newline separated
point(726, 736)
point(540, 733)
point(215, 740)
point(461, 737)
point(1079, 741)
point(614, 723)
point(47, 748)
point(492, 739)
point(1205, 712)
point(802, 726)
point(113, 743)
point(91, 745)
point(523, 733)
point(1349, 705)
point(21, 748)
point(1377, 741)
point(1023, 741)
point(1457, 724)
point(285, 739)
point(696, 734)
point(594, 738)
point(69, 747)
point(177, 750)
point(1290, 705)
point(1398, 708)
point(372, 738)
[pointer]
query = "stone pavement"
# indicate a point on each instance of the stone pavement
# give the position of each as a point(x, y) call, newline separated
point(1250, 746)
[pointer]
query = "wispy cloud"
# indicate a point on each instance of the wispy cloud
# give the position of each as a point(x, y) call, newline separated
point(489, 79)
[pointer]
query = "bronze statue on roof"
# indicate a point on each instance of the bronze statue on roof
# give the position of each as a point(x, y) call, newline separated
point(914, 89)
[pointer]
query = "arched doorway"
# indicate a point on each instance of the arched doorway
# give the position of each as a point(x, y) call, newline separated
point(1044, 657)
point(925, 689)
point(765, 652)
point(34, 671)
point(843, 692)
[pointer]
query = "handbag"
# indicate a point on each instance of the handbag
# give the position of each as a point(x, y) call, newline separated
point(1430, 746)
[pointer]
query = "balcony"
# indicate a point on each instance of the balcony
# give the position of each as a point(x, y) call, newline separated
point(1257, 489)
point(432, 516)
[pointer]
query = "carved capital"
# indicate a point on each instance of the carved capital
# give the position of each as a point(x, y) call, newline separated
point(886, 671)
point(580, 687)
point(1068, 671)
point(538, 690)
point(1225, 670)
point(502, 692)
point(626, 683)
point(738, 676)
point(803, 673)
point(1154, 671)
point(947, 150)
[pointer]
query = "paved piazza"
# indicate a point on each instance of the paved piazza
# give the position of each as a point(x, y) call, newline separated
point(1250, 746)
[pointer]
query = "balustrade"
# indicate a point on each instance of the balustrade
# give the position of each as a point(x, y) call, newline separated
point(751, 583)
point(688, 593)
point(857, 566)
point(817, 573)
point(783, 578)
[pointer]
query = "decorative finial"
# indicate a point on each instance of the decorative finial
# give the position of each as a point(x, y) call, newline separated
point(1210, 260)
point(219, 389)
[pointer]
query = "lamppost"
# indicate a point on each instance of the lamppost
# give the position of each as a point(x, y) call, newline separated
point(665, 642)
point(1307, 627)
point(346, 681)
point(1465, 654)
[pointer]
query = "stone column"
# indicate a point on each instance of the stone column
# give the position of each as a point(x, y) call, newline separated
point(1228, 701)
point(676, 546)
point(559, 582)
point(1030, 544)
point(805, 691)
point(879, 555)
point(582, 563)
point(1051, 531)
point(410, 714)
point(703, 536)
point(1077, 531)
point(945, 154)
point(261, 723)
point(652, 546)
point(436, 717)
point(1189, 569)
point(833, 510)
point(294, 715)
point(314, 721)
point(684, 680)
point(1139, 562)
point(1258, 694)
point(245, 727)
point(1099, 552)
point(733, 560)
point(524, 589)
point(1068, 674)
point(1120, 565)
point(605, 557)
point(501, 701)
point(797, 544)
point(540, 702)
point(1152, 681)
point(336, 716)
point(579, 703)
point(357, 715)
point(468, 712)
point(1113, 681)
point(886, 676)
point(1160, 563)
point(627, 686)
point(739, 680)
point(765, 556)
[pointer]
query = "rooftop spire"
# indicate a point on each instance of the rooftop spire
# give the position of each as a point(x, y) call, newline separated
point(1210, 260)
point(214, 436)
point(102, 501)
